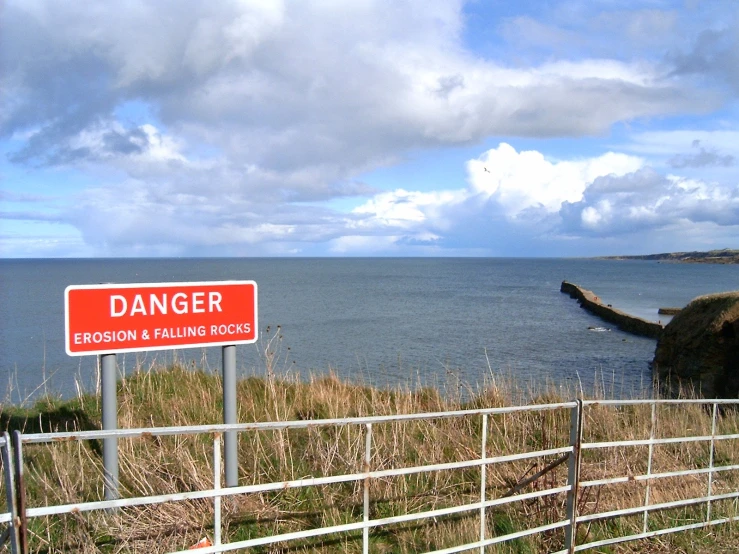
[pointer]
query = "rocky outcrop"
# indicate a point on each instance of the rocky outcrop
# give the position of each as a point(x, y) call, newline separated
point(624, 321)
point(698, 351)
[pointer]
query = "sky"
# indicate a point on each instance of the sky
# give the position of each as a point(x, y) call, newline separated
point(368, 127)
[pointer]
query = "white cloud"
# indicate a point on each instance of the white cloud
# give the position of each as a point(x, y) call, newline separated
point(647, 201)
point(257, 111)
point(282, 85)
point(511, 198)
point(362, 244)
point(403, 209)
point(506, 187)
point(521, 180)
point(526, 196)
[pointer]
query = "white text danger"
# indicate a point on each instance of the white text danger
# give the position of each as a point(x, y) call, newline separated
point(198, 302)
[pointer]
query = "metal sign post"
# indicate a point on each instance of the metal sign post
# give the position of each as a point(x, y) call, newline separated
point(230, 444)
point(108, 386)
point(106, 319)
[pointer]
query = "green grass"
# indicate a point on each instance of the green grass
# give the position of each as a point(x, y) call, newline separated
point(71, 472)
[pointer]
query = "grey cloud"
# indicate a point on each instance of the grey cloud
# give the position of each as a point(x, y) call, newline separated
point(129, 142)
point(32, 216)
point(50, 145)
point(448, 84)
point(295, 98)
point(644, 181)
point(189, 224)
point(702, 158)
point(647, 201)
point(479, 226)
point(301, 85)
point(54, 146)
point(715, 55)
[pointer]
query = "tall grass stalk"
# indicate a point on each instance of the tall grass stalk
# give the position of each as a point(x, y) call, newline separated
point(71, 472)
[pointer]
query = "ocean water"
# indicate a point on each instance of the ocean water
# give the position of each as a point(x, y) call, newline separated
point(386, 321)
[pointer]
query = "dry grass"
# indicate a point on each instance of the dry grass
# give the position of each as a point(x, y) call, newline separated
point(71, 472)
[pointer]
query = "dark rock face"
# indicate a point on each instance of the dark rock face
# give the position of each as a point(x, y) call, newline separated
point(698, 350)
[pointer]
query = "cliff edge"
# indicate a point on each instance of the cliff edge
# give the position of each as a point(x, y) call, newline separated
point(699, 349)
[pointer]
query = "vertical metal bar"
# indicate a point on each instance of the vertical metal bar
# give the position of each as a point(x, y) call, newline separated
point(20, 493)
point(108, 384)
point(217, 486)
point(9, 474)
point(231, 445)
point(710, 461)
point(647, 492)
point(573, 475)
point(483, 479)
point(367, 468)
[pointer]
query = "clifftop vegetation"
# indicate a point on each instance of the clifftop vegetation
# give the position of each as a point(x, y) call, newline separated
point(70, 471)
point(725, 256)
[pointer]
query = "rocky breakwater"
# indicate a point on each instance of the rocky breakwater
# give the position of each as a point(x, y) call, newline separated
point(625, 322)
point(698, 351)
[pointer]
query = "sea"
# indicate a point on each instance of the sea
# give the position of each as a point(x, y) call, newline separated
point(451, 323)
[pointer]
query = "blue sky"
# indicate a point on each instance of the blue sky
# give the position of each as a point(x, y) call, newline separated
point(368, 128)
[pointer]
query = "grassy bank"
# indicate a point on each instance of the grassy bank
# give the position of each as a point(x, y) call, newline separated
point(70, 472)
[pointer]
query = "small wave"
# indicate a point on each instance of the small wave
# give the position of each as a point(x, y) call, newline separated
point(598, 329)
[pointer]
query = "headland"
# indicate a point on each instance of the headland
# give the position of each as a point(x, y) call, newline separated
point(725, 256)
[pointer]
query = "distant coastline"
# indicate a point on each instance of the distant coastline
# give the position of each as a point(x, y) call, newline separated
point(725, 256)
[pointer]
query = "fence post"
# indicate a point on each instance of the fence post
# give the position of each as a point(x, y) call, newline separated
point(20, 492)
point(367, 461)
point(8, 473)
point(483, 480)
point(710, 462)
point(573, 475)
point(647, 492)
point(217, 486)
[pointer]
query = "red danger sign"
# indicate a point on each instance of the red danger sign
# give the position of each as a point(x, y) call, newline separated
point(105, 319)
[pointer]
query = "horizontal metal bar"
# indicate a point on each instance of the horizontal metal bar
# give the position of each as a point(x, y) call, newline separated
point(502, 538)
point(442, 512)
point(525, 496)
point(39, 438)
point(526, 532)
point(404, 518)
point(396, 472)
point(277, 425)
point(341, 528)
point(460, 548)
point(656, 507)
point(653, 476)
point(345, 528)
point(659, 401)
point(656, 533)
point(6, 517)
point(647, 442)
point(283, 485)
point(119, 503)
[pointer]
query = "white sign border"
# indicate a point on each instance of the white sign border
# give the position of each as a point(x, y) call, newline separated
point(157, 285)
